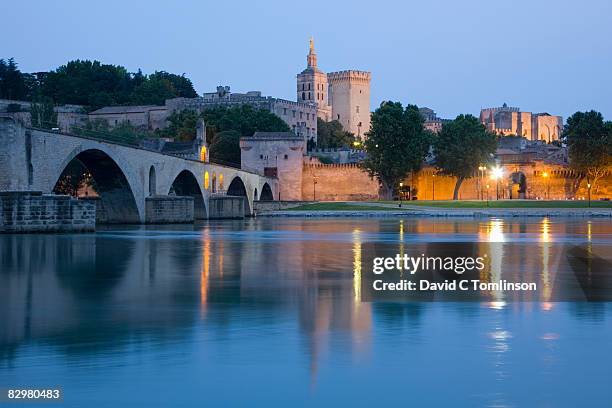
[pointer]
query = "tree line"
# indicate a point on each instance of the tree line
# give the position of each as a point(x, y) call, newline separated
point(398, 144)
point(92, 84)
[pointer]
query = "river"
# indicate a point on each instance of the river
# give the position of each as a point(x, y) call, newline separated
point(271, 311)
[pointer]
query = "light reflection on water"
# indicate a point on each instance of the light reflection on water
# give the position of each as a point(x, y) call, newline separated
point(242, 312)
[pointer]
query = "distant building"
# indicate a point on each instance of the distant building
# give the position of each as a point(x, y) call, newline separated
point(301, 117)
point(432, 122)
point(312, 86)
point(349, 97)
point(343, 96)
point(148, 117)
point(506, 120)
point(276, 154)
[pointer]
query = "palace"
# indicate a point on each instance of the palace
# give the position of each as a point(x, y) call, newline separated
point(506, 120)
point(343, 96)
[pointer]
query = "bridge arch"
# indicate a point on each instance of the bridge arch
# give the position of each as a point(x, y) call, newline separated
point(186, 184)
point(266, 193)
point(95, 172)
point(237, 188)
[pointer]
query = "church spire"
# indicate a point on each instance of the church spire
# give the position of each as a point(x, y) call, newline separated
point(311, 59)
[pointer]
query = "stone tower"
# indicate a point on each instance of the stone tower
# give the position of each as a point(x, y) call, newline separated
point(349, 97)
point(312, 85)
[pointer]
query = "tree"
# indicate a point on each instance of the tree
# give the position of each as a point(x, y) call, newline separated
point(332, 135)
point(181, 125)
point(396, 144)
point(225, 148)
point(12, 83)
point(43, 114)
point(244, 119)
point(589, 140)
point(461, 146)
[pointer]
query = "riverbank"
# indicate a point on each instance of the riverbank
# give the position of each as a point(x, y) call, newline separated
point(444, 209)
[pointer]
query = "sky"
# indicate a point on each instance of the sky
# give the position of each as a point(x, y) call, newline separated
point(452, 56)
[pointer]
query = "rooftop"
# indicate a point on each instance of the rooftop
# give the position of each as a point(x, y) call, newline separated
point(126, 109)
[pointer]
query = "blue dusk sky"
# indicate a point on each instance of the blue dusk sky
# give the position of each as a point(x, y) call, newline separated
point(452, 56)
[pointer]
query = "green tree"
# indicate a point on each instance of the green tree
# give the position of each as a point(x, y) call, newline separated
point(225, 148)
point(396, 144)
point(244, 119)
point(332, 135)
point(12, 81)
point(43, 114)
point(461, 146)
point(589, 140)
point(181, 125)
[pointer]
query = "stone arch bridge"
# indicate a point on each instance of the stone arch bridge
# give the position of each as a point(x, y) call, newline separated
point(126, 177)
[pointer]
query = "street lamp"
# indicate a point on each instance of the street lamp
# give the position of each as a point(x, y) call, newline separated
point(496, 174)
point(545, 175)
point(487, 195)
point(314, 188)
point(400, 193)
point(482, 170)
point(589, 191)
point(433, 187)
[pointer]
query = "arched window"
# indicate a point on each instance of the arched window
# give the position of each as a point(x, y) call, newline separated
point(203, 154)
point(214, 183)
point(206, 180)
point(220, 181)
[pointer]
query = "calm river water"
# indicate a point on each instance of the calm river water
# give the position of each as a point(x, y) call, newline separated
point(270, 312)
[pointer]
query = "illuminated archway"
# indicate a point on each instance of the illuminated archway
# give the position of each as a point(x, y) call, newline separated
point(94, 173)
point(221, 181)
point(206, 181)
point(214, 183)
point(203, 154)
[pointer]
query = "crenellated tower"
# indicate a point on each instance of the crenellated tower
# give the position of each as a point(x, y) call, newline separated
point(312, 85)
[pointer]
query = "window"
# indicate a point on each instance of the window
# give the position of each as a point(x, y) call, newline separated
point(301, 115)
point(338, 116)
point(309, 86)
point(261, 156)
point(284, 111)
point(309, 96)
point(294, 113)
point(286, 157)
point(357, 108)
point(308, 116)
point(303, 96)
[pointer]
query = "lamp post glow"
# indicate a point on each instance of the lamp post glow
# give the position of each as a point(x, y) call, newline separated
point(433, 187)
point(487, 195)
point(496, 174)
point(589, 191)
point(400, 193)
point(545, 175)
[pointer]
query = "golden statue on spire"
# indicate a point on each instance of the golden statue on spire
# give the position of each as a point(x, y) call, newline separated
point(311, 45)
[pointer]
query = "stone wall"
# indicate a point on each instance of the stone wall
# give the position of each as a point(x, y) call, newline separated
point(34, 212)
point(226, 207)
point(337, 182)
point(169, 209)
point(560, 184)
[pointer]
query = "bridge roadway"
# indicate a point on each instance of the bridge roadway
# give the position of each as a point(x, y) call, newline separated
point(124, 176)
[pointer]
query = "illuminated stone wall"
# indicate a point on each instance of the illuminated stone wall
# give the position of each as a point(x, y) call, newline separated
point(338, 182)
point(560, 184)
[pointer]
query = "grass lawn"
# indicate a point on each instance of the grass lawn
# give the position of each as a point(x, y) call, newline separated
point(340, 206)
point(506, 204)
